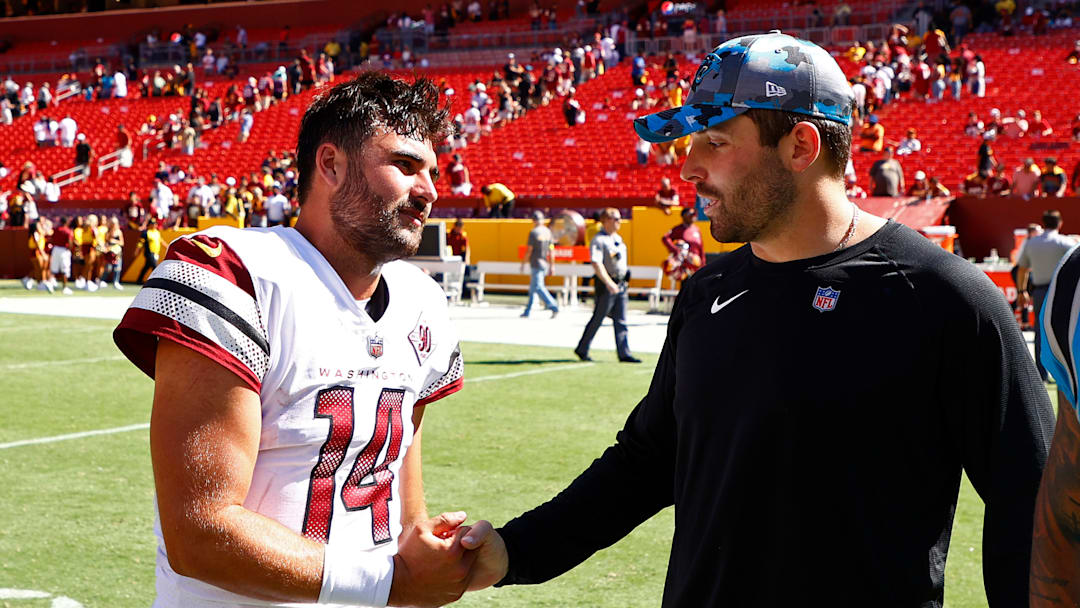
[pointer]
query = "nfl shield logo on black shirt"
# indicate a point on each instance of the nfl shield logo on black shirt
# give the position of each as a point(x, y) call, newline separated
point(825, 298)
point(375, 346)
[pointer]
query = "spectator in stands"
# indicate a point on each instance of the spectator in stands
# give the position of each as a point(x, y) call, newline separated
point(460, 183)
point(246, 122)
point(498, 199)
point(1052, 179)
point(643, 149)
point(161, 199)
point(852, 188)
point(134, 213)
point(572, 111)
point(887, 175)
point(51, 191)
point(120, 89)
point(975, 184)
point(278, 208)
point(638, 74)
point(1040, 127)
point(974, 126)
point(976, 73)
point(44, 97)
point(666, 197)
point(936, 188)
point(986, 161)
point(998, 184)
point(68, 129)
point(43, 132)
point(26, 100)
point(7, 116)
point(910, 144)
point(187, 139)
point(1025, 181)
point(84, 154)
point(1015, 126)
point(872, 136)
point(995, 125)
point(919, 188)
point(123, 145)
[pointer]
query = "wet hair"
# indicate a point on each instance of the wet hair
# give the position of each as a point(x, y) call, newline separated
point(350, 113)
point(835, 137)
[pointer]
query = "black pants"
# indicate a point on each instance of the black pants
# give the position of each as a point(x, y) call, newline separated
point(612, 305)
point(149, 266)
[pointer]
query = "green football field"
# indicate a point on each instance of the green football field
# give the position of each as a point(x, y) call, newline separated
point(76, 513)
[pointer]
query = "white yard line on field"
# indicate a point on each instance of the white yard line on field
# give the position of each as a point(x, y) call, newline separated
point(528, 373)
point(146, 425)
point(31, 364)
point(55, 438)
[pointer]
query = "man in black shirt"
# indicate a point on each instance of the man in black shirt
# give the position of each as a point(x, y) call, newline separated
point(820, 389)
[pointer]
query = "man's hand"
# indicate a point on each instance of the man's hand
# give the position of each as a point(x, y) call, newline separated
point(492, 561)
point(432, 567)
point(612, 287)
point(1024, 299)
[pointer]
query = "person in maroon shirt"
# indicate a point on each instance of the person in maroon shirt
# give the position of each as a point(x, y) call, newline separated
point(458, 240)
point(459, 177)
point(685, 245)
point(60, 257)
point(134, 212)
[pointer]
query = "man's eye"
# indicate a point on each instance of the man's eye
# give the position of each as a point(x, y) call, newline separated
point(716, 144)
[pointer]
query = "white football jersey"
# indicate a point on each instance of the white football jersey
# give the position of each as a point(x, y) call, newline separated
point(338, 381)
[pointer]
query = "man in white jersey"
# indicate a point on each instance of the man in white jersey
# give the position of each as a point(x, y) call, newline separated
point(292, 367)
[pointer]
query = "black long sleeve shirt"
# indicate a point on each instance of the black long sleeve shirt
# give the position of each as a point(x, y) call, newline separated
point(814, 453)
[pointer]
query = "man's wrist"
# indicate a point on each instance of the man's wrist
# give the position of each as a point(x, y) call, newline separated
point(355, 577)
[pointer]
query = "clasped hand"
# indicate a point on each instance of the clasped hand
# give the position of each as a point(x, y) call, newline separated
point(439, 559)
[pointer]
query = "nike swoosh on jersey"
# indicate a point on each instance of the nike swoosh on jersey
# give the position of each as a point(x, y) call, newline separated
point(717, 305)
point(215, 252)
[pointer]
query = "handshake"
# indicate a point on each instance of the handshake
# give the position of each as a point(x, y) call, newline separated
point(438, 560)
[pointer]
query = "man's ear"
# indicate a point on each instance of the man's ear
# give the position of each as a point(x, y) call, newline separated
point(803, 146)
point(331, 165)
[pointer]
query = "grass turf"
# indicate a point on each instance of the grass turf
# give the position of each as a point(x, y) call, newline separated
point(76, 516)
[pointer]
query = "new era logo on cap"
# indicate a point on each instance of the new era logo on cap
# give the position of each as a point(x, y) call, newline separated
point(774, 90)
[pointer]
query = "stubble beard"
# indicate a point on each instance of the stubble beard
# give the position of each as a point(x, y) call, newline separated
point(369, 223)
point(757, 205)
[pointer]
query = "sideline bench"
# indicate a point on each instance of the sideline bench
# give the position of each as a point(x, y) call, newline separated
point(514, 269)
point(453, 272)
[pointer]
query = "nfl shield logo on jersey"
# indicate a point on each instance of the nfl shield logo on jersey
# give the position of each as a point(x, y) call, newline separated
point(375, 346)
point(825, 298)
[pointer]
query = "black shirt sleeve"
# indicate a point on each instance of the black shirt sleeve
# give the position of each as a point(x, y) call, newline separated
point(629, 483)
point(1003, 423)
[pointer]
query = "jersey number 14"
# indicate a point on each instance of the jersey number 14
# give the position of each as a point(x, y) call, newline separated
point(368, 484)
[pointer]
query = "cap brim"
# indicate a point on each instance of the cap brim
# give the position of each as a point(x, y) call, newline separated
point(674, 123)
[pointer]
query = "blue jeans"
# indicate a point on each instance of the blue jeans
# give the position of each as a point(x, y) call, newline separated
point(642, 158)
point(536, 286)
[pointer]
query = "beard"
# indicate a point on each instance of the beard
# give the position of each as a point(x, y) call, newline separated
point(370, 223)
point(756, 205)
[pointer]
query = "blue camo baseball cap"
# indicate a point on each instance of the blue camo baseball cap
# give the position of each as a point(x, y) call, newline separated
point(770, 71)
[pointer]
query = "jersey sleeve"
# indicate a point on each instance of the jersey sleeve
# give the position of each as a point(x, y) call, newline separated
point(1060, 336)
point(444, 367)
point(202, 297)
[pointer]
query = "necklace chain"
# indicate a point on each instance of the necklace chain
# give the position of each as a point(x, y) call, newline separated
point(851, 228)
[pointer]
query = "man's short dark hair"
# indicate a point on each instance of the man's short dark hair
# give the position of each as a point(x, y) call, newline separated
point(348, 115)
point(835, 137)
point(1051, 219)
